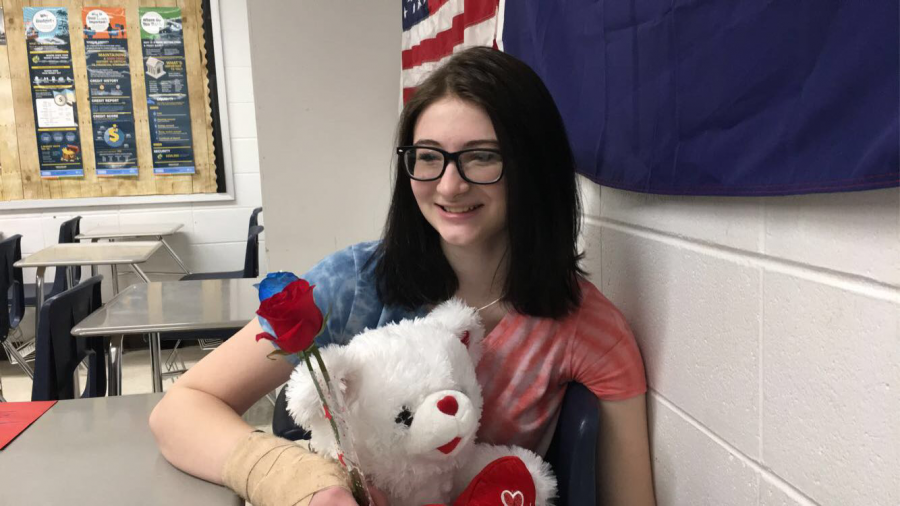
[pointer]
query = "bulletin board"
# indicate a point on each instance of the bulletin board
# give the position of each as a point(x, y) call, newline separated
point(24, 156)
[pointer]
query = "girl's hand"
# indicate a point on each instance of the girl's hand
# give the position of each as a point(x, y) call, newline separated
point(337, 496)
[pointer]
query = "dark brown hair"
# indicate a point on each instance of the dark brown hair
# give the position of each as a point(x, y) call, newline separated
point(543, 207)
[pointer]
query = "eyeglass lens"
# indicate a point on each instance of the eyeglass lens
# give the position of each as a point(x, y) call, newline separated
point(478, 166)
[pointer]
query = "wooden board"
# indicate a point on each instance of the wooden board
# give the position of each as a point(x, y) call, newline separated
point(22, 106)
point(10, 177)
point(19, 166)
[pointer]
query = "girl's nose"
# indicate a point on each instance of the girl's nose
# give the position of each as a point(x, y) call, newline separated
point(451, 183)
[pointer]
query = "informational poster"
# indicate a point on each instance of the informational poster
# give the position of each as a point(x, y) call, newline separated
point(167, 90)
point(53, 91)
point(109, 83)
point(2, 29)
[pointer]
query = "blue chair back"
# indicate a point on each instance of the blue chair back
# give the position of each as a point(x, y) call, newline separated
point(573, 449)
point(12, 289)
point(254, 218)
point(68, 230)
point(58, 353)
point(251, 257)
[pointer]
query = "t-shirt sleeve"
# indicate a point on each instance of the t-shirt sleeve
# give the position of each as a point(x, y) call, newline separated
point(334, 279)
point(603, 354)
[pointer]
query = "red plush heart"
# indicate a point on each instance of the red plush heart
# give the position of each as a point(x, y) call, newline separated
point(504, 482)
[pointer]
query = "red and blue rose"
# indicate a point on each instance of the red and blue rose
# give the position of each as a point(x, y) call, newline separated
point(288, 313)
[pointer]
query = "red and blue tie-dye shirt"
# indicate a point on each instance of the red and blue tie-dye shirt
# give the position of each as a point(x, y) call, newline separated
point(527, 361)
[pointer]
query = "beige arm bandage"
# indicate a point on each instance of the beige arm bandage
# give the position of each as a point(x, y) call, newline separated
point(270, 471)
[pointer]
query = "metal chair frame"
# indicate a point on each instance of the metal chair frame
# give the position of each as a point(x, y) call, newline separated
point(19, 350)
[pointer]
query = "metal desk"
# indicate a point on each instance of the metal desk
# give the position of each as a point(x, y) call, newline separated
point(63, 255)
point(156, 231)
point(99, 452)
point(172, 306)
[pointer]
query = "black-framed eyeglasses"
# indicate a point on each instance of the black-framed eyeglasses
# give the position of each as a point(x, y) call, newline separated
point(476, 166)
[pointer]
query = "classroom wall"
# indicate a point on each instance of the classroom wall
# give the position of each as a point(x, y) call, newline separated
point(326, 76)
point(770, 328)
point(214, 234)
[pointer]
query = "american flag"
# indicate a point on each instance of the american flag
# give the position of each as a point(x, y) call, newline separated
point(434, 29)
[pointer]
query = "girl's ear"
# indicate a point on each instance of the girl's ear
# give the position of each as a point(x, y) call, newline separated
point(463, 321)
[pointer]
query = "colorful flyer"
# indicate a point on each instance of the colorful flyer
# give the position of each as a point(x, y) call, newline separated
point(168, 105)
point(109, 83)
point(53, 91)
point(2, 29)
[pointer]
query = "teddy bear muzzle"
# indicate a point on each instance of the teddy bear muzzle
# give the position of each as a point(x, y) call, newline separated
point(443, 424)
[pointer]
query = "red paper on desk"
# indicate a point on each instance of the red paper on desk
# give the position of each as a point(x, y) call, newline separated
point(15, 417)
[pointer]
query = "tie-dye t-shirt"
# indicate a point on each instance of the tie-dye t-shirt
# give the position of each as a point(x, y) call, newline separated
point(527, 360)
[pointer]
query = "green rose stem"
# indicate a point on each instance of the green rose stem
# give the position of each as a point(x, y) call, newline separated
point(360, 492)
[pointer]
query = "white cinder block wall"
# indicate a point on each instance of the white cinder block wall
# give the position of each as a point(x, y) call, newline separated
point(771, 336)
point(214, 234)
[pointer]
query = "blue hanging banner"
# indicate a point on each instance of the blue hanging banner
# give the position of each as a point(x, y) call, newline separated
point(721, 97)
point(109, 82)
point(53, 91)
point(168, 103)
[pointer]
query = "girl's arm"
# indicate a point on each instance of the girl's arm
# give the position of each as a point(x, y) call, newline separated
point(623, 454)
point(198, 422)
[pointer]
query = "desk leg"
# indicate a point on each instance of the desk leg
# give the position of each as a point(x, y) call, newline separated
point(140, 273)
point(114, 365)
point(155, 369)
point(76, 384)
point(115, 278)
point(94, 267)
point(172, 252)
point(70, 276)
point(38, 298)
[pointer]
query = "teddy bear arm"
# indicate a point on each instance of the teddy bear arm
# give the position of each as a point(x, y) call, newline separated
point(484, 454)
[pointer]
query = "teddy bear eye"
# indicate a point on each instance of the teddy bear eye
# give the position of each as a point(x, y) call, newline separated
point(405, 417)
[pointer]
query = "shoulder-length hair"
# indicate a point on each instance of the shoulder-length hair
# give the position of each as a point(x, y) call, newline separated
point(543, 206)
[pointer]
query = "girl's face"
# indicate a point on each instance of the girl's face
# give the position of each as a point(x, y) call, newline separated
point(464, 214)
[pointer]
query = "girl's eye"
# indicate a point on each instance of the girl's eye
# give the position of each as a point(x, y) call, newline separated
point(405, 417)
point(485, 157)
point(428, 157)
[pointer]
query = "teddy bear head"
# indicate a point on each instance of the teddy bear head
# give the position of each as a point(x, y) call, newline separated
point(413, 400)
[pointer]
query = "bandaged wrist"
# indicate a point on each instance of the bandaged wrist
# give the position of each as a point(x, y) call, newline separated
point(271, 471)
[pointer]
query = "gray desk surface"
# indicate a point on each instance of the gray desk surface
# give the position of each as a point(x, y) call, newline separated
point(169, 306)
point(91, 254)
point(98, 452)
point(135, 230)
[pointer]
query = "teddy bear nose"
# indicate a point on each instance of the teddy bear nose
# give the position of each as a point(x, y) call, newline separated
point(448, 405)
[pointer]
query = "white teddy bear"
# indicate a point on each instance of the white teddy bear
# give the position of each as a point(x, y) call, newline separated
point(413, 407)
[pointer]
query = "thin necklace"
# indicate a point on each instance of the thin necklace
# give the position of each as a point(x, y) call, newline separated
point(489, 305)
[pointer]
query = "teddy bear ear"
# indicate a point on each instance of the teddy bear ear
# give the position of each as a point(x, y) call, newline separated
point(463, 321)
point(302, 397)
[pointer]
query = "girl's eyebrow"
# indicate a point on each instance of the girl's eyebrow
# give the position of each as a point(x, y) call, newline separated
point(472, 143)
point(481, 142)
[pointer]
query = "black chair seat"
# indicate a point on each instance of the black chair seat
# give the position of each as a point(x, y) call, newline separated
point(251, 261)
point(213, 275)
point(573, 449)
point(282, 423)
point(195, 335)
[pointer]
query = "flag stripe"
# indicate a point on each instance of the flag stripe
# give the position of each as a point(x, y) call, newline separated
point(441, 19)
point(448, 26)
point(442, 44)
point(476, 35)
